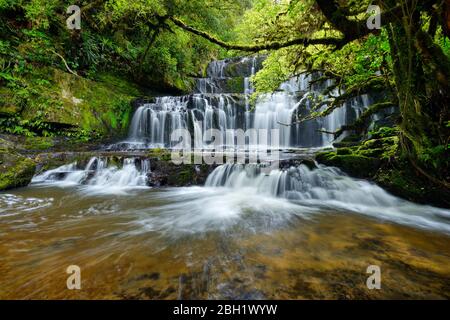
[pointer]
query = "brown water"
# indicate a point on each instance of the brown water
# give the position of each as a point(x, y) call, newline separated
point(196, 243)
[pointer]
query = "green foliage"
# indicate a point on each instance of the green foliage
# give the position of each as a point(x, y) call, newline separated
point(130, 39)
point(383, 132)
point(40, 12)
point(443, 42)
point(116, 36)
point(277, 69)
point(29, 128)
point(436, 157)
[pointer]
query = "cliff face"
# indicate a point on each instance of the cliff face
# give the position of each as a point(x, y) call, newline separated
point(61, 102)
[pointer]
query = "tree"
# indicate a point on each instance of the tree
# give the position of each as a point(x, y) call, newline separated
point(419, 69)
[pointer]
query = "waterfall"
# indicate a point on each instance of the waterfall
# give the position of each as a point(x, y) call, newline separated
point(100, 175)
point(327, 188)
point(152, 123)
point(221, 102)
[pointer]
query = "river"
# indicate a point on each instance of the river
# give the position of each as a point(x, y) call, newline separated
point(292, 233)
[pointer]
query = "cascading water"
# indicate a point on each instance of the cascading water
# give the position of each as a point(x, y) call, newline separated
point(327, 187)
point(274, 231)
point(222, 102)
point(216, 105)
point(99, 176)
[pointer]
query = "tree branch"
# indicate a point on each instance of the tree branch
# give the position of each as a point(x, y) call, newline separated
point(65, 63)
point(361, 122)
point(255, 48)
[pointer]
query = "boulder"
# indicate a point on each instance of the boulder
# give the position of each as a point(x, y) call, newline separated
point(15, 170)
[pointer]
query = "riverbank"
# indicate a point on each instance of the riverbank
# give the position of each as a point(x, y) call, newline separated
point(378, 159)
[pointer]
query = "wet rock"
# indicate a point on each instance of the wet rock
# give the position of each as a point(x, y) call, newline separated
point(15, 170)
point(48, 161)
point(242, 67)
point(166, 173)
point(355, 165)
point(377, 159)
point(289, 163)
point(138, 102)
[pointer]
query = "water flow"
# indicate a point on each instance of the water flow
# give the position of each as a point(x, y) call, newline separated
point(99, 176)
point(221, 104)
point(327, 187)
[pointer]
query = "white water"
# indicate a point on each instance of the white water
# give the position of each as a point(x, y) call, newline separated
point(232, 192)
point(214, 107)
point(243, 195)
point(98, 177)
point(326, 187)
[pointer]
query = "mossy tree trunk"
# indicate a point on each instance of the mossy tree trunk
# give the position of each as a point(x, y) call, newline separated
point(421, 71)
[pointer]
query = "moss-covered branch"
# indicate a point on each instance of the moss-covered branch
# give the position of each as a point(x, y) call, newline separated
point(305, 41)
point(362, 121)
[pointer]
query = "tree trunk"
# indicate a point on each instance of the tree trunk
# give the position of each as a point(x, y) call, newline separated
point(421, 74)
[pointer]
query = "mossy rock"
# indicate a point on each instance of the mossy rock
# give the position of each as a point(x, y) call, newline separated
point(371, 153)
point(15, 170)
point(349, 141)
point(355, 165)
point(67, 102)
point(372, 144)
point(379, 161)
point(344, 151)
point(402, 181)
point(49, 161)
point(183, 178)
point(160, 154)
point(235, 85)
point(384, 148)
point(38, 143)
point(311, 164)
point(383, 132)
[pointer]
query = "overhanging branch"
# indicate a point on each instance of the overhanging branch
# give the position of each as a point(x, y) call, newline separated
point(362, 121)
point(256, 48)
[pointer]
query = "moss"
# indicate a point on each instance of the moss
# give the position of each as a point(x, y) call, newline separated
point(344, 151)
point(235, 85)
point(354, 165)
point(371, 153)
point(401, 180)
point(372, 144)
point(102, 107)
point(349, 141)
point(384, 148)
point(15, 171)
point(161, 154)
point(38, 143)
point(378, 160)
point(182, 84)
point(7, 105)
point(362, 160)
point(383, 132)
point(183, 178)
